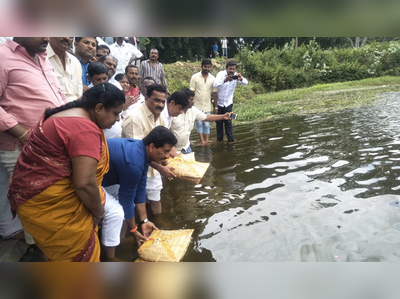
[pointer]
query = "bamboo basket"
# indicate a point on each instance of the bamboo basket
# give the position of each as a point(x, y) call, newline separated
point(186, 167)
point(165, 246)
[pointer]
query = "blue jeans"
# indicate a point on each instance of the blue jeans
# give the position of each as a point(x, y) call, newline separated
point(186, 151)
point(203, 126)
point(225, 52)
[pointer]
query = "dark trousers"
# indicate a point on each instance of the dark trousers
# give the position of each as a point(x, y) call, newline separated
point(228, 124)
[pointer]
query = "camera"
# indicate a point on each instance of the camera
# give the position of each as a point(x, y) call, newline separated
point(235, 77)
point(233, 116)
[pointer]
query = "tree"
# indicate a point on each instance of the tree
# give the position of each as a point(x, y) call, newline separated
point(356, 43)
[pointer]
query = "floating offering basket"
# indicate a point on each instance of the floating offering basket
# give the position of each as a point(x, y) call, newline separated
point(186, 167)
point(165, 246)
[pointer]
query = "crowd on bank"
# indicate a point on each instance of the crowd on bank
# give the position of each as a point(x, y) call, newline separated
point(85, 129)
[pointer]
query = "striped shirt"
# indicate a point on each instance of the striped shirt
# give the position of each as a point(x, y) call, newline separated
point(157, 72)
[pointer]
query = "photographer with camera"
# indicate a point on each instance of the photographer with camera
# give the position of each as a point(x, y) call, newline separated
point(226, 82)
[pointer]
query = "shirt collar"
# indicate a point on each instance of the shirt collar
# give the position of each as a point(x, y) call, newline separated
point(17, 47)
point(122, 45)
point(147, 111)
point(12, 44)
point(146, 158)
point(85, 64)
point(148, 61)
point(50, 51)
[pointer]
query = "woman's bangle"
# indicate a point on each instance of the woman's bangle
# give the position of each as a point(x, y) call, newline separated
point(134, 229)
point(101, 216)
point(215, 108)
point(23, 135)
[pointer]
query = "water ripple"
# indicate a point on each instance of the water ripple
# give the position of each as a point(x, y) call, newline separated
point(308, 188)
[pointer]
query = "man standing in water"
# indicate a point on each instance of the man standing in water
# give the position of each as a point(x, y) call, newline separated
point(202, 85)
point(225, 82)
point(137, 125)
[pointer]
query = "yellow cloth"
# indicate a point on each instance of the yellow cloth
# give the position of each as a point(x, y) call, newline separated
point(59, 222)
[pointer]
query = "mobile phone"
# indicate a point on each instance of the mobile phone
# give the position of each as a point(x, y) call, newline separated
point(235, 77)
point(233, 116)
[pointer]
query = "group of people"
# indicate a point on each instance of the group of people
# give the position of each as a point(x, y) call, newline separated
point(224, 47)
point(82, 145)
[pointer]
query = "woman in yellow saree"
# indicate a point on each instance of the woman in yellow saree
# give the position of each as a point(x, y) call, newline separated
point(56, 185)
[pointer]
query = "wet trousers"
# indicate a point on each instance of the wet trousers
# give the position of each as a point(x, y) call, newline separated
point(227, 123)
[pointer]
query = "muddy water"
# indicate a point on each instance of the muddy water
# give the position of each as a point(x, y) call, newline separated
point(313, 188)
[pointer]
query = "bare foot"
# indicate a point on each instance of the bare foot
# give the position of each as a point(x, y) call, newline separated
point(203, 144)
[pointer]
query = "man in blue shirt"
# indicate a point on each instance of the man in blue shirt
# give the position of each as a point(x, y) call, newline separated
point(126, 179)
point(85, 50)
point(215, 48)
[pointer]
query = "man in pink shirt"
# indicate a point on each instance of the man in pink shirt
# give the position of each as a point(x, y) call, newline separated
point(28, 86)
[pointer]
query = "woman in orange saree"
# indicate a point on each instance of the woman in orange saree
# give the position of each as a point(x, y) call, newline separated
point(56, 185)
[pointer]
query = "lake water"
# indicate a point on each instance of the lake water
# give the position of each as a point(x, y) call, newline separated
point(320, 187)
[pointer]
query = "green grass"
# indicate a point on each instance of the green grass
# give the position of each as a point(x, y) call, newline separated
point(253, 103)
point(315, 99)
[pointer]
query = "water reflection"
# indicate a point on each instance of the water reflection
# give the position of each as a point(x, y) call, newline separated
point(310, 188)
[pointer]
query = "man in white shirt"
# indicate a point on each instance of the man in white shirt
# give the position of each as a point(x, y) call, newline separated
point(111, 64)
point(125, 53)
point(182, 125)
point(66, 67)
point(225, 82)
point(175, 105)
point(202, 85)
point(146, 82)
point(224, 46)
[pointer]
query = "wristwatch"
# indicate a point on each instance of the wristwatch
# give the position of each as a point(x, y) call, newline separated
point(143, 221)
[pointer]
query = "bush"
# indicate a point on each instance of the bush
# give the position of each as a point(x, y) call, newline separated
point(288, 68)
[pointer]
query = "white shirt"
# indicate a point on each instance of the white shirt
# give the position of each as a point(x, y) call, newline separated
point(114, 82)
point(224, 43)
point(115, 131)
point(70, 79)
point(167, 118)
point(183, 124)
point(202, 90)
point(225, 90)
point(124, 54)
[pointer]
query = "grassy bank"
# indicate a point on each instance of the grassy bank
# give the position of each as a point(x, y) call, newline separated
point(254, 103)
point(315, 99)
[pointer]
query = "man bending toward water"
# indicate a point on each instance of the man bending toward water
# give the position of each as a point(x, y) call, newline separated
point(127, 177)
